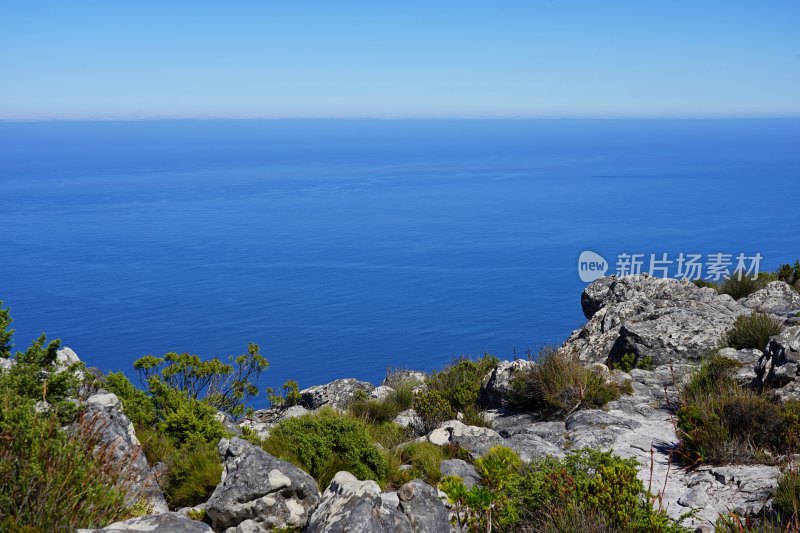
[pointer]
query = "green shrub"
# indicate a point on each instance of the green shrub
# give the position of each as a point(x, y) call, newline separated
point(137, 404)
point(402, 396)
point(433, 409)
point(6, 333)
point(740, 286)
point(389, 434)
point(705, 283)
point(550, 494)
point(721, 422)
point(289, 397)
point(326, 442)
point(787, 495)
point(183, 417)
point(715, 375)
point(50, 481)
point(460, 383)
point(752, 331)
point(226, 387)
point(629, 361)
point(193, 472)
point(423, 458)
point(558, 384)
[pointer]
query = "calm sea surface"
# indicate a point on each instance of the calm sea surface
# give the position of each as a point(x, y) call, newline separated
point(347, 247)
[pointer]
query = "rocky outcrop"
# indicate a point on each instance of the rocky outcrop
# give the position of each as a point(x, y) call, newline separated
point(160, 523)
point(666, 319)
point(461, 469)
point(263, 420)
point(496, 387)
point(425, 511)
point(777, 298)
point(111, 432)
point(337, 394)
point(259, 492)
point(353, 506)
point(475, 439)
point(412, 377)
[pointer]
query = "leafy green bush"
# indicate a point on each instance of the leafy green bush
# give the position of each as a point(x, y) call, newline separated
point(50, 481)
point(721, 422)
point(288, 398)
point(325, 443)
point(433, 409)
point(787, 496)
point(460, 383)
point(224, 386)
point(6, 333)
point(558, 385)
point(740, 286)
point(192, 473)
point(136, 403)
point(550, 494)
point(629, 361)
point(752, 331)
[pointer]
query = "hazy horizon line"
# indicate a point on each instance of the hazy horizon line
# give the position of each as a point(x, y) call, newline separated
point(610, 116)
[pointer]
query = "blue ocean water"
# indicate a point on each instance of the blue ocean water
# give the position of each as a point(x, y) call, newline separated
point(348, 247)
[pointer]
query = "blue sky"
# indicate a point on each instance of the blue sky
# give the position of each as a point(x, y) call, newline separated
point(441, 58)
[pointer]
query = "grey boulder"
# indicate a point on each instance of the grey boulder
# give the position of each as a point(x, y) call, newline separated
point(259, 492)
point(425, 511)
point(337, 394)
point(160, 523)
point(496, 386)
point(461, 469)
point(777, 298)
point(353, 506)
point(475, 439)
point(112, 432)
point(666, 319)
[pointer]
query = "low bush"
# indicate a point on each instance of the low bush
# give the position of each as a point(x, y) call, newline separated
point(629, 361)
point(136, 403)
point(460, 383)
point(752, 331)
point(433, 409)
point(787, 497)
point(721, 422)
point(325, 443)
point(740, 286)
point(192, 473)
point(49, 480)
point(586, 487)
point(558, 384)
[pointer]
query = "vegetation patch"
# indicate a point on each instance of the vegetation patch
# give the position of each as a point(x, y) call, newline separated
point(587, 488)
point(752, 331)
point(559, 384)
point(325, 443)
point(722, 422)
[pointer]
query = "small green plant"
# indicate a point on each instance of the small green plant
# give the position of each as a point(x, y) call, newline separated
point(460, 383)
point(629, 361)
point(705, 283)
point(289, 397)
point(752, 331)
point(787, 496)
point(50, 480)
point(586, 486)
point(721, 422)
point(192, 473)
point(325, 443)
point(433, 409)
point(558, 385)
point(740, 285)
